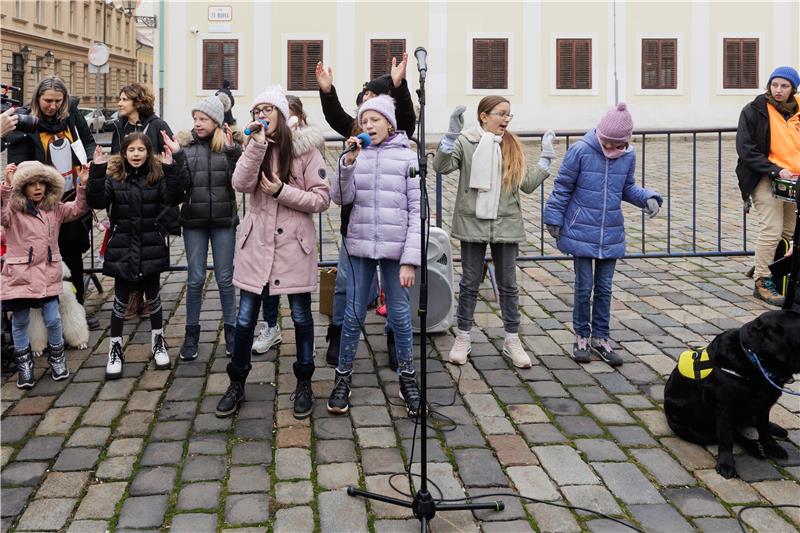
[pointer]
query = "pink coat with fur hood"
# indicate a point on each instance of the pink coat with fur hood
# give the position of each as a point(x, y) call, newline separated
point(278, 238)
point(32, 264)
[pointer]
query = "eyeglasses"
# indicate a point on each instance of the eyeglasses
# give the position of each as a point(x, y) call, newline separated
point(264, 110)
point(503, 115)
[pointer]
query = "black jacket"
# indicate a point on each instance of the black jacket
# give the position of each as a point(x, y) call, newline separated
point(210, 201)
point(151, 125)
point(139, 215)
point(752, 145)
point(345, 125)
point(28, 147)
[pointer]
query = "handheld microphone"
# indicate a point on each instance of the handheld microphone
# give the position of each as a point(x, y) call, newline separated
point(421, 54)
point(365, 139)
point(262, 124)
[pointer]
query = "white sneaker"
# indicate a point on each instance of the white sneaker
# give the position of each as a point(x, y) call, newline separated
point(115, 358)
point(461, 349)
point(160, 353)
point(512, 347)
point(267, 338)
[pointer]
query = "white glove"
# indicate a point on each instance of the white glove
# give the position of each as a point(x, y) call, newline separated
point(548, 152)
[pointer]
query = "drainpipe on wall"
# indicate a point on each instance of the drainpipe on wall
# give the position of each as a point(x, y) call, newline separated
point(161, 58)
point(614, 37)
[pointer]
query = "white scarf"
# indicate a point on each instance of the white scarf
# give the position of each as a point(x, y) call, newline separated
point(486, 173)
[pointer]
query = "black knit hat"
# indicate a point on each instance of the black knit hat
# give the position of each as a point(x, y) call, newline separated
point(380, 85)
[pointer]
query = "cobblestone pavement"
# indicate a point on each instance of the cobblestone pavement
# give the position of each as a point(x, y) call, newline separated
point(146, 452)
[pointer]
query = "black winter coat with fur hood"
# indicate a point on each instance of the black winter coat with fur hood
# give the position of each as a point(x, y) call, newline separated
point(141, 215)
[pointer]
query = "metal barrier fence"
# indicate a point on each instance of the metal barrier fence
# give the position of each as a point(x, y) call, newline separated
point(701, 180)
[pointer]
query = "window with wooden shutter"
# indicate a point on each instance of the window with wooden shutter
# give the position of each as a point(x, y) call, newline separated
point(381, 53)
point(659, 63)
point(303, 59)
point(740, 64)
point(490, 63)
point(220, 62)
point(573, 63)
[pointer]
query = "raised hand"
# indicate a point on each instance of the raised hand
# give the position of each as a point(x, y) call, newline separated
point(456, 122)
point(398, 71)
point(270, 185)
point(166, 155)
point(9, 173)
point(84, 174)
point(228, 135)
point(548, 152)
point(170, 142)
point(99, 157)
point(324, 77)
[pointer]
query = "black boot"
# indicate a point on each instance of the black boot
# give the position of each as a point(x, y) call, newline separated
point(58, 362)
point(303, 395)
point(339, 402)
point(333, 337)
point(24, 360)
point(409, 393)
point(230, 335)
point(190, 342)
point(392, 350)
point(229, 402)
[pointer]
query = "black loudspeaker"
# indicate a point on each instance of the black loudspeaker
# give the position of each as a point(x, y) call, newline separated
point(440, 284)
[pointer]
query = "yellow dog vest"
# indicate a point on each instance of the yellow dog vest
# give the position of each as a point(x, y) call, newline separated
point(695, 365)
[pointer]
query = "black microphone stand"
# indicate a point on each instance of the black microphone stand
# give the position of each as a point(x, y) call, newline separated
point(790, 299)
point(423, 505)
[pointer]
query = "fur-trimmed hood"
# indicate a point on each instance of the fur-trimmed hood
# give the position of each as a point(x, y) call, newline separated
point(187, 137)
point(307, 138)
point(30, 172)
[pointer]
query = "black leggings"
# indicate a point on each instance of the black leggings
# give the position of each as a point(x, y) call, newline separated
point(122, 291)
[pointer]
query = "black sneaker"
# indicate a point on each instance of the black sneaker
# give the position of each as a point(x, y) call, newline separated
point(230, 400)
point(603, 349)
point(58, 362)
point(392, 349)
point(339, 402)
point(409, 393)
point(24, 359)
point(190, 341)
point(580, 350)
point(333, 337)
point(303, 399)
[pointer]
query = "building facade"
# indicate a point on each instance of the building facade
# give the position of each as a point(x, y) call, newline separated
point(562, 64)
point(52, 37)
point(144, 59)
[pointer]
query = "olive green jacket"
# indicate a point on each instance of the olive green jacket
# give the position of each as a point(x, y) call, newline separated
point(508, 226)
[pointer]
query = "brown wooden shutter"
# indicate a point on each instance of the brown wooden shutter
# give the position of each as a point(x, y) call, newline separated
point(659, 63)
point(220, 62)
point(740, 64)
point(303, 58)
point(573, 63)
point(490, 63)
point(381, 53)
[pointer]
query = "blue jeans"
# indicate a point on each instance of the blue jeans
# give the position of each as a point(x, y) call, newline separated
point(597, 308)
point(270, 305)
point(340, 289)
point(398, 311)
point(223, 242)
point(52, 321)
point(249, 305)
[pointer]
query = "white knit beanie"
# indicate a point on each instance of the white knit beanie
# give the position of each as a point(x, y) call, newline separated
point(211, 106)
point(383, 104)
point(274, 96)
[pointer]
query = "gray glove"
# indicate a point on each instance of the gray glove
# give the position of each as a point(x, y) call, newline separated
point(456, 123)
point(652, 207)
point(553, 230)
point(548, 152)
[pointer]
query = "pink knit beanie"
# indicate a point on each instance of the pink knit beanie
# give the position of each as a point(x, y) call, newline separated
point(616, 125)
point(383, 104)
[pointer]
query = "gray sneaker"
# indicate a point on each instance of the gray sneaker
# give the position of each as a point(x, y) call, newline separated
point(580, 350)
point(603, 349)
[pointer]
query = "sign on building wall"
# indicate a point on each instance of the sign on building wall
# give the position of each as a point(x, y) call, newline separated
point(220, 13)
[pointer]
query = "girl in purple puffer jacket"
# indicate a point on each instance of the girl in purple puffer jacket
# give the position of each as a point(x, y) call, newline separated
point(384, 230)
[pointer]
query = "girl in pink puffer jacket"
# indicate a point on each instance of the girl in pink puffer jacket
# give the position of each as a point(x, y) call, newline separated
point(384, 230)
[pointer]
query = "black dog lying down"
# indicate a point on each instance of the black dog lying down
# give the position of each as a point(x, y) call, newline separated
point(734, 393)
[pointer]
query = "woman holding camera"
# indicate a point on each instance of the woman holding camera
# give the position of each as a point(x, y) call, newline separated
point(61, 139)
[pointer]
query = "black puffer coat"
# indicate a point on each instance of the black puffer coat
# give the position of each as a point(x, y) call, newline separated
point(139, 215)
point(210, 201)
point(752, 146)
point(151, 125)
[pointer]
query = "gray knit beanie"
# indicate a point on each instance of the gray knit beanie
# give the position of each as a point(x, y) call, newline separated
point(211, 106)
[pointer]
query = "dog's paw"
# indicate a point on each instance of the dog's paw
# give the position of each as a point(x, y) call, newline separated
point(82, 346)
point(37, 354)
point(773, 449)
point(777, 431)
point(726, 466)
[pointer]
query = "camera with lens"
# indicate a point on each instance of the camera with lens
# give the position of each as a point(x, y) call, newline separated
point(26, 123)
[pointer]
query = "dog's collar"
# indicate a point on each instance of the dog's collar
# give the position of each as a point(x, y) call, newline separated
point(769, 376)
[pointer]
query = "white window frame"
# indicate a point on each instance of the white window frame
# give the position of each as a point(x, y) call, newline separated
point(368, 51)
point(471, 36)
point(762, 70)
point(285, 38)
point(679, 59)
point(595, 90)
point(239, 37)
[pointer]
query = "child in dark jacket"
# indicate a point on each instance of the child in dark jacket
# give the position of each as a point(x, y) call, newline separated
point(32, 213)
point(584, 215)
point(138, 191)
